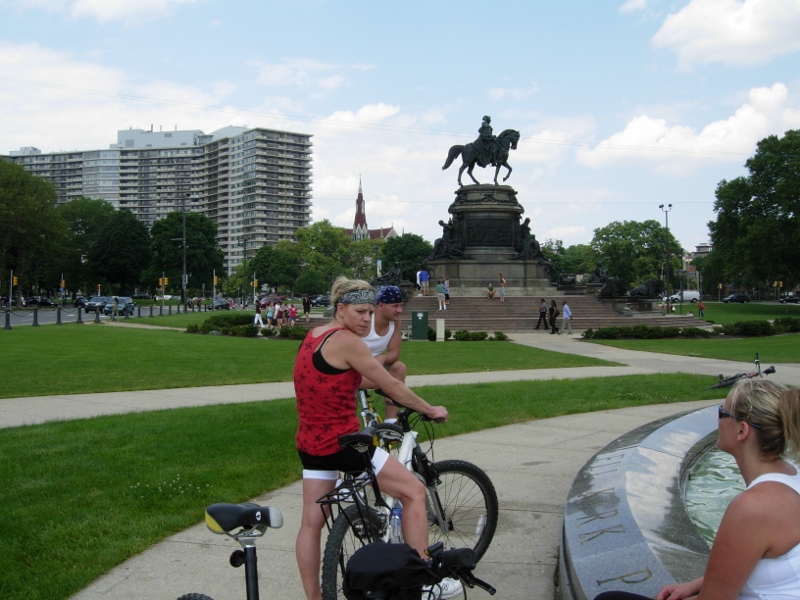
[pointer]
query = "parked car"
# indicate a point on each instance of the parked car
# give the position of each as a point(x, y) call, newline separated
point(218, 305)
point(42, 301)
point(790, 300)
point(141, 296)
point(125, 308)
point(96, 303)
point(80, 301)
point(323, 300)
point(741, 298)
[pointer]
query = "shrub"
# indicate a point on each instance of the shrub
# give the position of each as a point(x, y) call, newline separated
point(477, 336)
point(786, 325)
point(193, 328)
point(692, 332)
point(462, 335)
point(431, 334)
point(588, 334)
point(748, 328)
point(248, 330)
point(499, 336)
point(447, 334)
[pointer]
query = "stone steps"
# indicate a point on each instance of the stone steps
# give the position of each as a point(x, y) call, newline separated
point(522, 313)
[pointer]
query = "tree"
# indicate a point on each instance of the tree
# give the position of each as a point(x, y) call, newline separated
point(408, 252)
point(756, 235)
point(324, 248)
point(203, 257)
point(311, 282)
point(84, 218)
point(122, 252)
point(276, 267)
point(637, 251)
point(363, 257)
point(29, 223)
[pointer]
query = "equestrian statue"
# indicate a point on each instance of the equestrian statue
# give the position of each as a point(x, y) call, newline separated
point(484, 151)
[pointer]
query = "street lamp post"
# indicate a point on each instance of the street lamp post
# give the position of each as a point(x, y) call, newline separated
point(666, 208)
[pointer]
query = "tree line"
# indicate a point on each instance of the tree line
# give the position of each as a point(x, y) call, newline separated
point(755, 238)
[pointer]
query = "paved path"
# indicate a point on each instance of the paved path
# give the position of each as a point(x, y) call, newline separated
point(532, 465)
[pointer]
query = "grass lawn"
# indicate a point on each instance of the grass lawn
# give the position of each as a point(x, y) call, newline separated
point(80, 497)
point(90, 358)
point(771, 349)
point(717, 312)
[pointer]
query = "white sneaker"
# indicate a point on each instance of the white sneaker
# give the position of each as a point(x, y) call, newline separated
point(446, 588)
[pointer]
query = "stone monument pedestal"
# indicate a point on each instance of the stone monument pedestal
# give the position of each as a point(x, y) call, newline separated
point(484, 238)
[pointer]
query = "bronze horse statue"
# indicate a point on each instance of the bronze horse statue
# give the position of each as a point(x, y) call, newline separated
point(506, 141)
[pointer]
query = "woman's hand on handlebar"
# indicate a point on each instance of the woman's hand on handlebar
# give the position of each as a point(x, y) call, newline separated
point(438, 414)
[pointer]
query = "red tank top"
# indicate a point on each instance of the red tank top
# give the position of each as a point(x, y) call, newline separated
point(326, 405)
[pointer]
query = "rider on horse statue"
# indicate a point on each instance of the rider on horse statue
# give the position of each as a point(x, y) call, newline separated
point(486, 144)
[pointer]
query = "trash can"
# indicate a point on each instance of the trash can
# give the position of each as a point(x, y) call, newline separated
point(419, 326)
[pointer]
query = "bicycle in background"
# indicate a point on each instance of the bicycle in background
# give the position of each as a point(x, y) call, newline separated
point(725, 382)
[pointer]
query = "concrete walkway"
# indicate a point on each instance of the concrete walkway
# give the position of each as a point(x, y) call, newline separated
point(531, 464)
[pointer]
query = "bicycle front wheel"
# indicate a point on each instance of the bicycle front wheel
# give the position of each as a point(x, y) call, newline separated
point(356, 526)
point(467, 502)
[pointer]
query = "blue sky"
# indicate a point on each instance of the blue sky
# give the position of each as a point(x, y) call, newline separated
point(622, 104)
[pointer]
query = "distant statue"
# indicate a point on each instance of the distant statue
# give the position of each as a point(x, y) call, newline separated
point(486, 147)
point(566, 279)
point(450, 245)
point(531, 249)
point(484, 151)
point(649, 289)
point(393, 276)
point(614, 288)
point(600, 274)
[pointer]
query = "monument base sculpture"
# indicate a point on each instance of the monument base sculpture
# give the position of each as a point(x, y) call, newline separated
point(483, 238)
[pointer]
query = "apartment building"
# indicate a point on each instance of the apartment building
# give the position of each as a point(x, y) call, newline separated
point(254, 183)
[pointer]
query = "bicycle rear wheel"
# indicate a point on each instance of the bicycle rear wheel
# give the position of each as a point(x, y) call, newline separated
point(352, 529)
point(468, 502)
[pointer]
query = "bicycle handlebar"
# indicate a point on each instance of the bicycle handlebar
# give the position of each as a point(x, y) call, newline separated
point(458, 564)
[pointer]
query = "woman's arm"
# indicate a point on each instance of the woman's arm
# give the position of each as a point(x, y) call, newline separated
point(346, 350)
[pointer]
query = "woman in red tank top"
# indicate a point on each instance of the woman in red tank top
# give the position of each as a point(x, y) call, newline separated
point(332, 363)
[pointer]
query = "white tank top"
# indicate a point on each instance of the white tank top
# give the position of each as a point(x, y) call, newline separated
point(377, 344)
point(776, 578)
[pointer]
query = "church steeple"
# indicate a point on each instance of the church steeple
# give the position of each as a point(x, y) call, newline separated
point(360, 229)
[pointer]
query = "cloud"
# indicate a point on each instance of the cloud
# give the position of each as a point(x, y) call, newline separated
point(733, 32)
point(632, 5)
point(104, 11)
point(513, 93)
point(681, 149)
point(54, 101)
point(305, 73)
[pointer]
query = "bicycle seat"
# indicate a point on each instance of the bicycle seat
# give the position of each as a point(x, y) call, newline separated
point(223, 517)
point(360, 440)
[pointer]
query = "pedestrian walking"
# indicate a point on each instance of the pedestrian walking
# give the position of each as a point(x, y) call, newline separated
point(257, 320)
point(307, 308)
point(446, 291)
point(700, 308)
point(566, 317)
point(542, 314)
point(552, 314)
point(501, 289)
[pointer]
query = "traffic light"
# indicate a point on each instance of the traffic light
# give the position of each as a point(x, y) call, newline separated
point(16, 281)
point(254, 282)
point(166, 280)
point(160, 282)
point(216, 280)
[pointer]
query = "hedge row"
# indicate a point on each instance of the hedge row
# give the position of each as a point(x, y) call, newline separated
point(739, 329)
point(241, 324)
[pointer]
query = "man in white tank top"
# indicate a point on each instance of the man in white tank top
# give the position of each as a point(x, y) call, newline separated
point(383, 339)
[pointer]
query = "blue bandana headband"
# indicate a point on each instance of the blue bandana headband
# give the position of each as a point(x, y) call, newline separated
point(358, 297)
point(389, 294)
